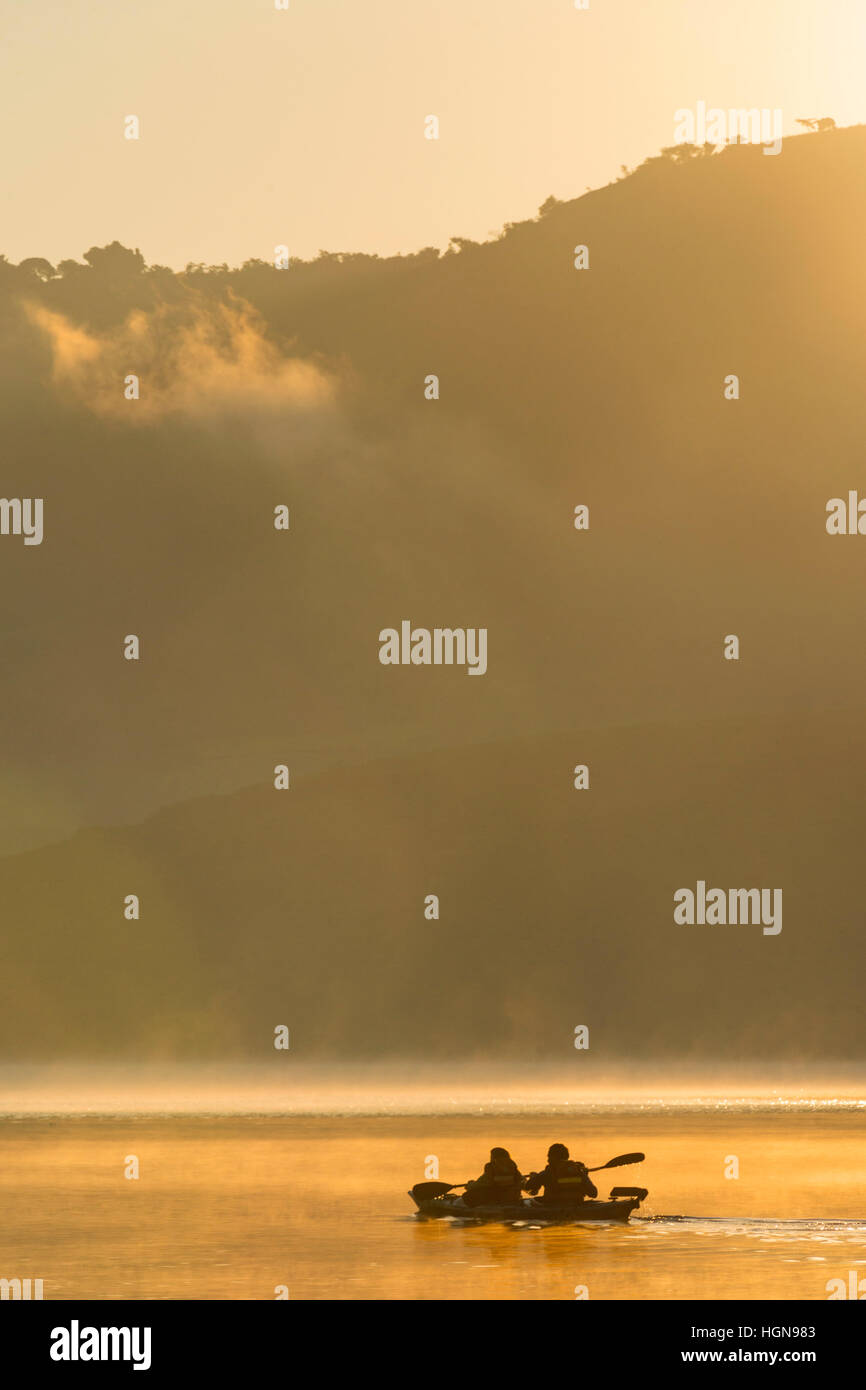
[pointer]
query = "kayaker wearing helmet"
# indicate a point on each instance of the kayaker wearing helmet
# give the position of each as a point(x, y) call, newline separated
point(499, 1184)
point(564, 1179)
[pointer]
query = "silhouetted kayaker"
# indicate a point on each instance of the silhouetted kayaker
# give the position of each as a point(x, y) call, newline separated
point(564, 1179)
point(499, 1184)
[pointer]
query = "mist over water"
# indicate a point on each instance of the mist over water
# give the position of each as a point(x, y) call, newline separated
point(415, 1088)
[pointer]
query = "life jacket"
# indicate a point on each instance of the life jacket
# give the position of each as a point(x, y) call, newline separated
point(566, 1181)
point(494, 1186)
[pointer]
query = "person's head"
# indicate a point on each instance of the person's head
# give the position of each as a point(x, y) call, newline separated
point(556, 1152)
point(500, 1158)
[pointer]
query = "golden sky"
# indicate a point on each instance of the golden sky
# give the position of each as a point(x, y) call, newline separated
point(305, 127)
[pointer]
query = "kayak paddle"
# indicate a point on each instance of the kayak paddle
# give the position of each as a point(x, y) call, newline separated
point(423, 1191)
point(619, 1162)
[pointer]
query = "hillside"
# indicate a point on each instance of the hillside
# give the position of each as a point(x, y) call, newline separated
point(557, 387)
point(307, 908)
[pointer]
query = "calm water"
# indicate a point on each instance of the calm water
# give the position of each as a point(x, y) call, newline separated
point(232, 1207)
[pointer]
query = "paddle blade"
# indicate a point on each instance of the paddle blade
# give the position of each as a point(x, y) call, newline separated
point(619, 1162)
point(424, 1191)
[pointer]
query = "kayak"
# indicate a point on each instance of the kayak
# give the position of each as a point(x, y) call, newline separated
point(531, 1209)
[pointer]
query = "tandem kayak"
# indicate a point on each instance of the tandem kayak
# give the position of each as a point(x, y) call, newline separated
point(623, 1201)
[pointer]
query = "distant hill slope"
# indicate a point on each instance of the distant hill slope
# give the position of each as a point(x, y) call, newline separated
point(558, 387)
point(306, 908)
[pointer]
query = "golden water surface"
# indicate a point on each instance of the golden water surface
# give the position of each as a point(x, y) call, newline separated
point(235, 1207)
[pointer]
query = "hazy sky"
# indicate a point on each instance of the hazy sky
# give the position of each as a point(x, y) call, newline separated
point(305, 126)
